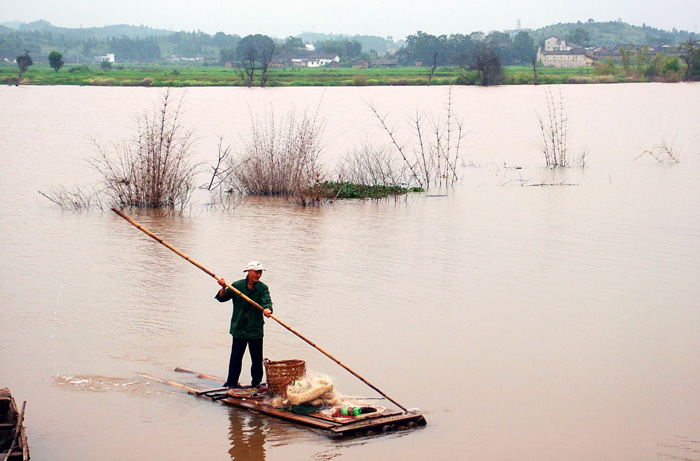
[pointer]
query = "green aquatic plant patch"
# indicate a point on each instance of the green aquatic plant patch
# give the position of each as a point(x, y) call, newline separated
point(347, 190)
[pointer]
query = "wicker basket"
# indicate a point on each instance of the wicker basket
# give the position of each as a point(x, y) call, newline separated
point(281, 373)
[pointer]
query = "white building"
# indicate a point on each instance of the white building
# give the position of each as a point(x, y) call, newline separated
point(107, 58)
point(557, 53)
point(317, 60)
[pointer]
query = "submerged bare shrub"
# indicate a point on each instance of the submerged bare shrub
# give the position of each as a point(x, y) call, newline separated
point(372, 166)
point(154, 168)
point(433, 156)
point(219, 171)
point(280, 158)
point(554, 130)
point(74, 199)
point(580, 160)
point(664, 152)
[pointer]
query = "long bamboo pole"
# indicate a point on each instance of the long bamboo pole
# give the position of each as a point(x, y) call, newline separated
point(199, 375)
point(189, 389)
point(212, 274)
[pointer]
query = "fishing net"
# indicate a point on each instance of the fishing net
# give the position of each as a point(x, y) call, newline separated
point(309, 388)
point(313, 389)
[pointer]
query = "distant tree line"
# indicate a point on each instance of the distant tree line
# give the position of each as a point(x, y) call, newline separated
point(464, 50)
point(125, 48)
point(483, 53)
point(128, 49)
point(344, 48)
point(146, 44)
point(238, 50)
point(369, 43)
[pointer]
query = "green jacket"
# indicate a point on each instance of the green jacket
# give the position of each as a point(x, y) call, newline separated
point(247, 320)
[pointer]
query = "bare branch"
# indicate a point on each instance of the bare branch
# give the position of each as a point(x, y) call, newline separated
point(664, 152)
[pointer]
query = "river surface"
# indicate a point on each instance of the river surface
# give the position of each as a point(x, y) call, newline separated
point(531, 314)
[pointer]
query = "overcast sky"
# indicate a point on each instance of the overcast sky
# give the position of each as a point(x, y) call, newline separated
point(282, 18)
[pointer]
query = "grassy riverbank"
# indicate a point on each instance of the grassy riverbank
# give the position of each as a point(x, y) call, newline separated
point(199, 75)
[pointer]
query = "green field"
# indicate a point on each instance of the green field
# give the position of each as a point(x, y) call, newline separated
point(201, 75)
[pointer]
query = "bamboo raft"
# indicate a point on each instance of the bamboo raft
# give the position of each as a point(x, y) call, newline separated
point(256, 402)
point(13, 438)
point(386, 420)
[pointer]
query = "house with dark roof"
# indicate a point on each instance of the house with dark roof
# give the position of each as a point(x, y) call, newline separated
point(360, 64)
point(386, 63)
point(602, 53)
point(557, 53)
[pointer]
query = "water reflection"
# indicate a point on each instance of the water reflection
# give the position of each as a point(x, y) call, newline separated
point(247, 435)
point(255, 436)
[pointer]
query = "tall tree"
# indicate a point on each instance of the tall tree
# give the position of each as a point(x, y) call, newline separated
point(460, 49)
point(343, 48)
point(524, 47)
point(56, 60)
point(23, 61)
point(293, 45)
point(501, 45)
point(626, 59)
point(488, 64)
point(227, 55)
point(223, 40)
point(690, 54)
point(525, 51)
point(254, 51)
point(425, 48)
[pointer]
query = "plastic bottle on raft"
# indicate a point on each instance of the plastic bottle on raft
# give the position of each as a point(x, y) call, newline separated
point(349, 412)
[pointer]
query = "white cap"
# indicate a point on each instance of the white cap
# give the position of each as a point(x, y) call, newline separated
point(254, 266)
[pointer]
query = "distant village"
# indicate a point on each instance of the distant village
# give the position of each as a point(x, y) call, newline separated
point(555, 53)
point(311, 58)
point(558, 53)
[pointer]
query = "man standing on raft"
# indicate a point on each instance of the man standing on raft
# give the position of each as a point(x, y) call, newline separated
point(247, 323)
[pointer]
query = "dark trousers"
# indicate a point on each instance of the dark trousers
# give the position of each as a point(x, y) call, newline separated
point(236, 361)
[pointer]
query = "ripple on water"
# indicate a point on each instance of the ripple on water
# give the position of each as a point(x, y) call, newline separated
point(680, 447)
point(96, 383)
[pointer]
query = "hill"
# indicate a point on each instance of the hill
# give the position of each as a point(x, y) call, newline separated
point(96, 33)
point(11, 24)
point(612, 33)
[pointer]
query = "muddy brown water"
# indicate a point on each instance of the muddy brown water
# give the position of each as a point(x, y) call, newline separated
point(526, 321)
